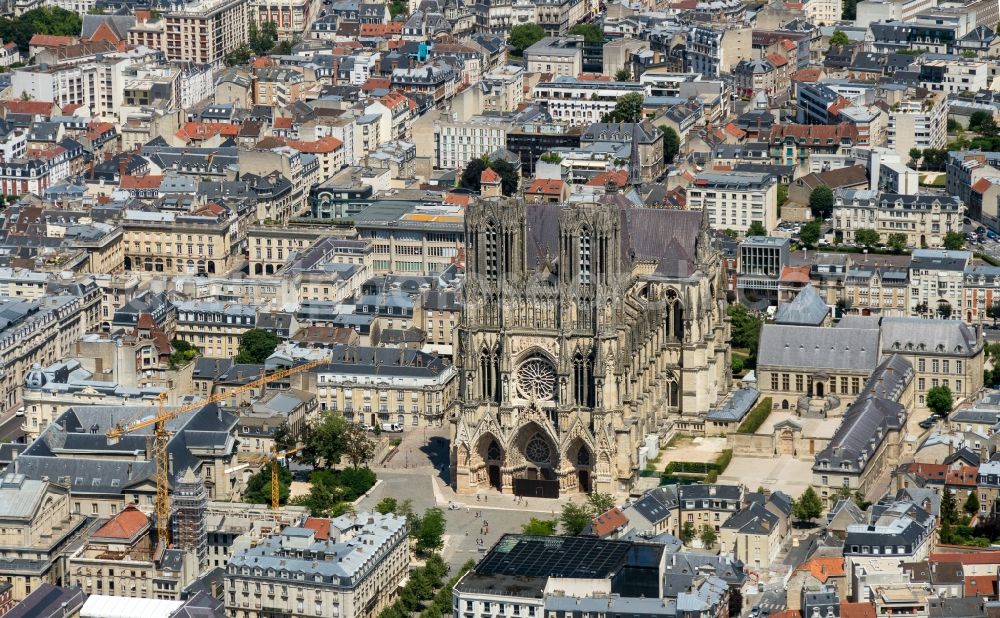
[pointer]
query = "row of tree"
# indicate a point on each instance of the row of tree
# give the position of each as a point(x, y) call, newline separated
point(43, 20)
point(573, 518)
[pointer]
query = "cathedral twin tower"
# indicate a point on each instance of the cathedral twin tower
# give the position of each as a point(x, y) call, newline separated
point(587, 327)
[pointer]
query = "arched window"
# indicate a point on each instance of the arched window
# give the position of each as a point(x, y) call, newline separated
point(583, 376)
point(492, 258)
point(585, 256)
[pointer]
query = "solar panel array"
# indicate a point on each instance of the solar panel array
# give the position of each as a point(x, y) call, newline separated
point(540, 556)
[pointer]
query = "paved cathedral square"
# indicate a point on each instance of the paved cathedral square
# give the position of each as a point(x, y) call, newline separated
point(587, 327)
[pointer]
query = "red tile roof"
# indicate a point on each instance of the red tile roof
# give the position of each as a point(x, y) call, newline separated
point(321, 525)
point(981, 586)
point(457, 199)
point(50, 40)
point(619, 177)
point(928, 471)
point(194, 130)
point(375, 83)
point(856, 610)
point(807, 75)
point(978, 556)
point(125, 525)
point(609, 521)
point(140, 182)
point(982, 185)
point(323, 145)
point(795, 274)
point(545, 186)
point(489, 177)
point(824, 568)
point(283, 122)
point(390, 29)
point(966, 476)
point(35, 108)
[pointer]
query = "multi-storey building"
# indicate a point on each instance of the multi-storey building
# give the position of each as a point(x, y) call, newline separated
point(460, 141)
point(874, 290)
point(503, 89)
point(980, 291)
point(924, 219)
point(762, 259)
point(576, 101)
point(715, 50)
point(936, 281)
point(292, 17)
point(36, 526)
point(794, 144)
point(919, 124)
point(385, 385)
point(214, 328)
point(205, 31)
point(556, 55)
point(167, 242)
point(355, 566)
point(408, 240)
point(736, 200)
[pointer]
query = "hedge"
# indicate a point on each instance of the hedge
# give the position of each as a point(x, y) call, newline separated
point(757, 416)
point(687, 472)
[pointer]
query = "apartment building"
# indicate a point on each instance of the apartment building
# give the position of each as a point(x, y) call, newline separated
point(980, 291)
point(503, 89)
point(708, 505)
point(292, 17)
point(557, 55)
point(270, 247)
point(714, 50)
point(919, 124)
point(736, 200)
point(204, 31)
point(924, 219)
point(214, 328)
point(356, 564)
point(936, 281)
point(385, 385)
point(168, 242)
point(576, 101)
point(36, 526)
point(875, 290)
point(459, 141)
point(412, 240)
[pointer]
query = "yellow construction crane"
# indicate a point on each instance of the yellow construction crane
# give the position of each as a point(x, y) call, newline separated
point(161, 436)
point(275, 485)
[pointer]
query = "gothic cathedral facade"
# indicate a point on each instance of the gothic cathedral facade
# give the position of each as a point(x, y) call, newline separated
point(586, 328)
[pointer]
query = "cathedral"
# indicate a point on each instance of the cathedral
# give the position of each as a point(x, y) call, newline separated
point(587, 327)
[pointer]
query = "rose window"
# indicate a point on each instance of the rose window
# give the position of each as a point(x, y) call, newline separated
point(537, 451)
point(536, 379)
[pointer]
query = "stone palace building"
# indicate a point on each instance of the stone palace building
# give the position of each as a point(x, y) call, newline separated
point(587, 327)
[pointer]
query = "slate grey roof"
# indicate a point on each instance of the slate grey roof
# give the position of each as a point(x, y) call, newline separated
point(806, 309)
point(928, 336)
point(735, 407)
point(939, 259)
point(654, 506)
point(754, 519)
point(813, 347)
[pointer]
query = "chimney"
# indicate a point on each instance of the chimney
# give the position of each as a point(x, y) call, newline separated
point(122, 166)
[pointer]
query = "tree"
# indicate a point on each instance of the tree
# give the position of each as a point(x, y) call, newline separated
point(897, 241)
point(839, 37)
point(574, 518)
point(359, 447)
point(627, 109)
point(258, 489)
point(744, 328)
point(782, 196)
point(623, 75)
point(866, 237)
point(508, 176)
point(323, 440)
point(821, 201)
point(949, 507)
point(939, 400)
point(915, 157)
point(671, 144)
point(756, 229)
point(982, 122)
point(184, 352)
point(687, 532)
point(430, 536)
point(708, 536)
point(387, 505)
point(397, 8)
point(539, 527)
point(256, 345)
point(737, 365)
point(849, 10)
point(810, 233)
point(471, 175)
point(43, 20)
point(993, 311)
point(600, 503)
point(971, 506)
point(592, 34)
point(239, 56)
point(524, 36)
point(263, 40)
point(808, 507)
point(735, 602)
point(954, 240)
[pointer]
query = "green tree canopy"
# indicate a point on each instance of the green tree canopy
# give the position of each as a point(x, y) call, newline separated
point(627, 109)
point(539, 527)
point(808, 507)
point(524, 36)
point(982, 122)
point(623, 75)
point(821, 201)
point(866, 237)
point(359, 446)
point(897, 241)
point(471, 176)
point(744, 328)
point(939, 400)
point(839, 37)
point(971, 506)
point(708, 536)
point(756, 229)
point(574, 518)
point(592, 33)
point(256, 345)
point(509, 178)
point(387, 505)
point(430, 535)
point(258, 489)
point(324, 440)
point(688, 532)
point(600, 503)
point(809, 234)
point(782, 195)
point(954, 240)
point(43, 20)
point(263, 40)
point(949, 507)
point(671, 143)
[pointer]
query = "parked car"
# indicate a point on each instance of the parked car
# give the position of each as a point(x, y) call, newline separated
point(391, 427)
